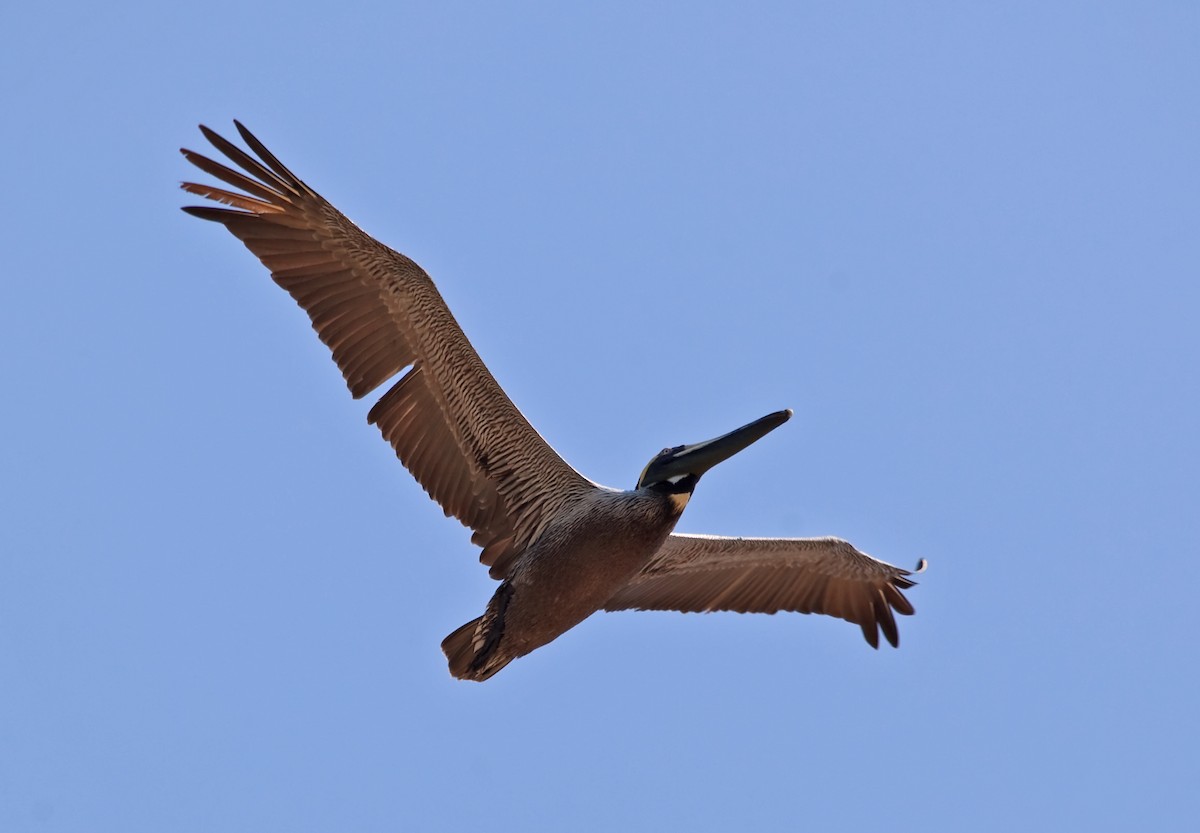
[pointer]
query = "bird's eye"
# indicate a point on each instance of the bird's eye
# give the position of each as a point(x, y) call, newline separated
point(664, 451)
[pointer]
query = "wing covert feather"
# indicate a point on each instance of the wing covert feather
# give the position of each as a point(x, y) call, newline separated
point(379, 313)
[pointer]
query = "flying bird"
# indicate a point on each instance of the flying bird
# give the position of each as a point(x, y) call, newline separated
point(561, 546)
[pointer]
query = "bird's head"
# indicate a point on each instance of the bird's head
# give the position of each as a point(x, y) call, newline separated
point(676, 471)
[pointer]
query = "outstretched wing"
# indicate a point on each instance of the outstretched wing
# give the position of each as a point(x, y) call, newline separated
point(699, 573)
point(449, 421)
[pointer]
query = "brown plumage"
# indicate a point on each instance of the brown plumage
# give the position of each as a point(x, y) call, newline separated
point(562, 546)
point(702, 573)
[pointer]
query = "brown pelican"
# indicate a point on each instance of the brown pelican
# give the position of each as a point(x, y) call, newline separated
point(561, 546)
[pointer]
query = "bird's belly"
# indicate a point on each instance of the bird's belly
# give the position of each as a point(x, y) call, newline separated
point(560, 586)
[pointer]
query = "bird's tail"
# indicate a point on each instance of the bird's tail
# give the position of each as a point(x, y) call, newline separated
point(473, 649)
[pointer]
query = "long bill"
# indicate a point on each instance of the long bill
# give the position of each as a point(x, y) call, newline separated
point(698, 458)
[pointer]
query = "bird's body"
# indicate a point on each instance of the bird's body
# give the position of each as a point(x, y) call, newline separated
point(562, 546)
point(579, 562)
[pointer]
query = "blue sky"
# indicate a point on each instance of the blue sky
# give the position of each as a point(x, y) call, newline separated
point(960, 241)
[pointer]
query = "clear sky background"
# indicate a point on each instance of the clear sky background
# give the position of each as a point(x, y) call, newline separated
point(960, 240)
